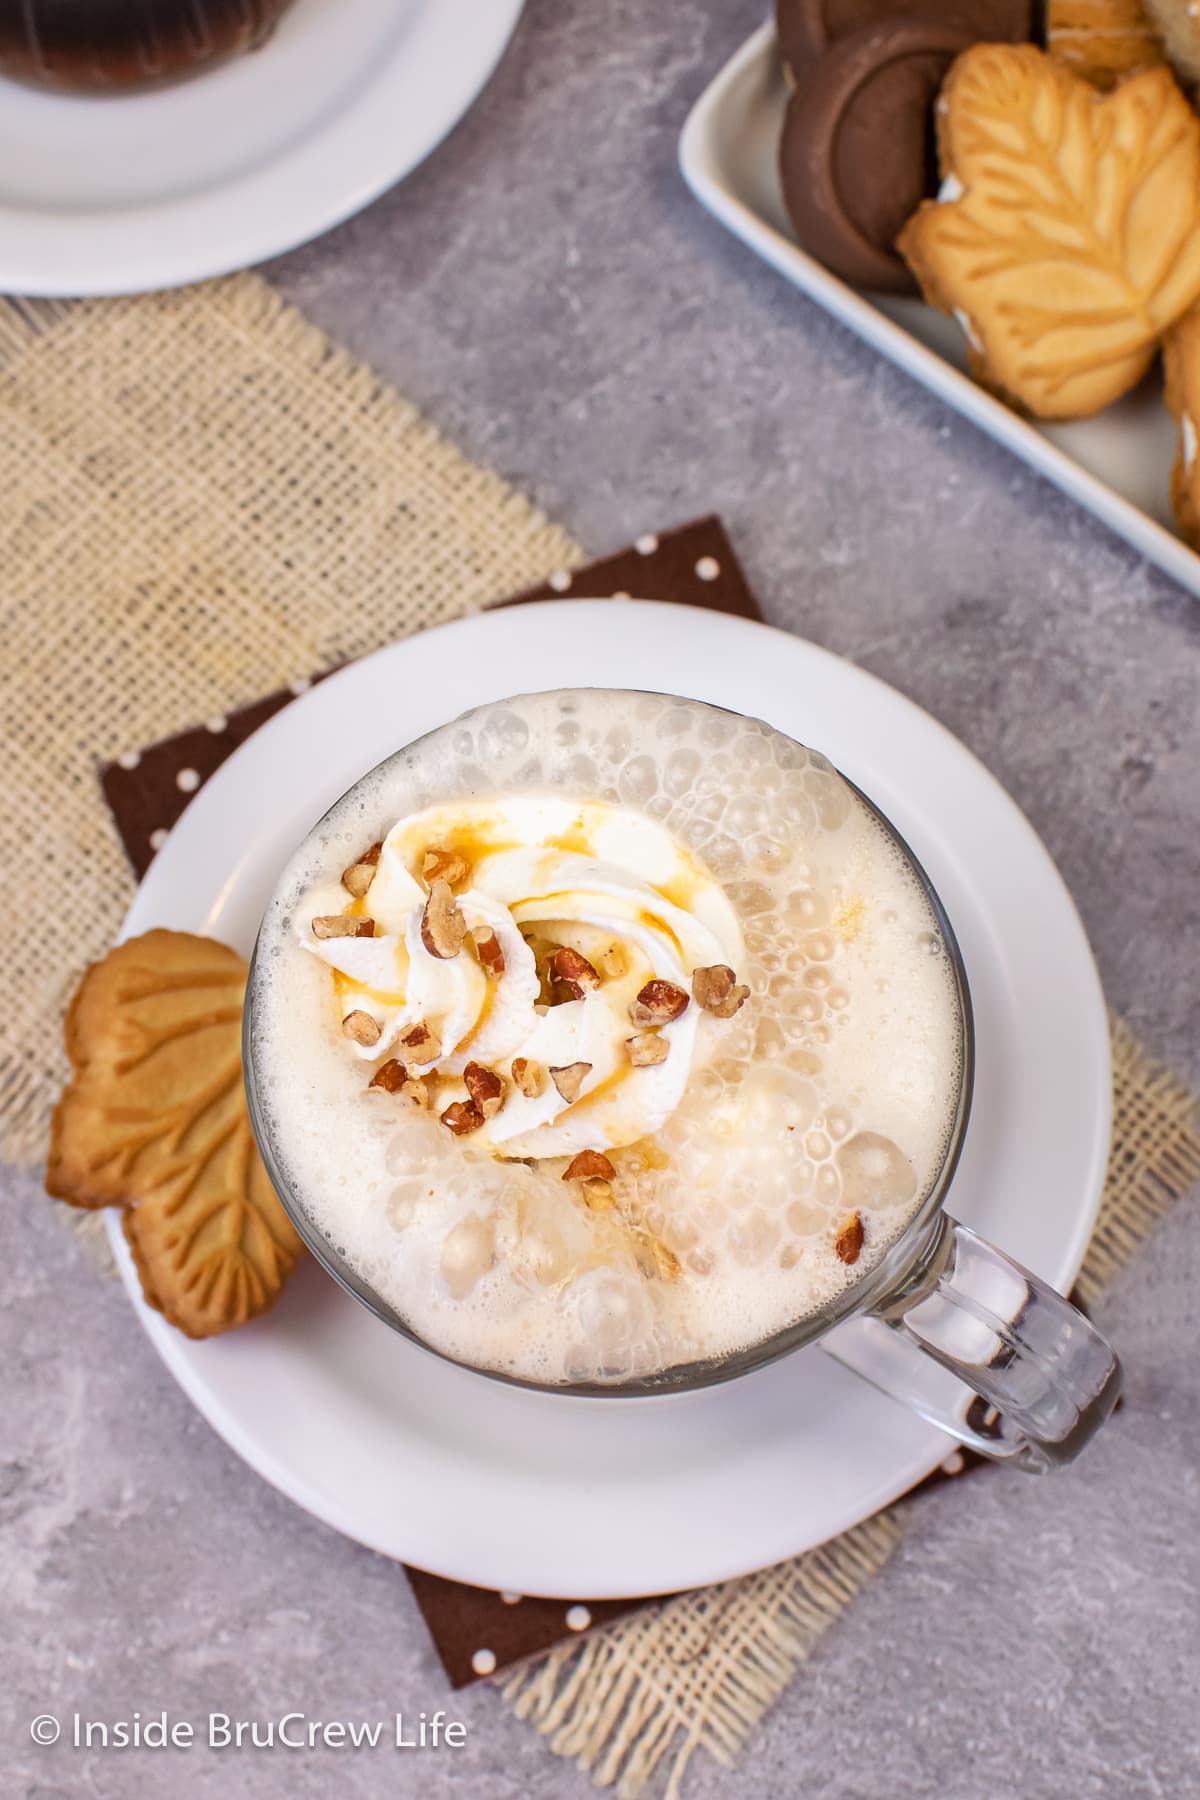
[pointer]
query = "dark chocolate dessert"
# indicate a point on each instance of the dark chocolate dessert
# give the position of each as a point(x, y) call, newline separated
point(98, 45)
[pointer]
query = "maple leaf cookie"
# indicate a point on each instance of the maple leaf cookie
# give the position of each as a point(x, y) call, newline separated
point(1102, 40)
point(154, 1120)
point(1065, 237)
point(1181, 362)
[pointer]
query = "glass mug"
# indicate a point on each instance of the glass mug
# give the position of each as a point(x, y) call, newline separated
point(940, 1308)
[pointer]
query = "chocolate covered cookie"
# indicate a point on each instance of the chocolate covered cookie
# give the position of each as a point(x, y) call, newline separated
point(857, 154)
point(807, 28)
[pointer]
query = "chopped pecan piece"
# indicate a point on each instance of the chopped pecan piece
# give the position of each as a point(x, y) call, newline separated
point(646, 1048)
point(589, 1165)
point(418, 1092)
point(655, 1258)
point(331, 925)
point(718, 991)
point(461, 1117)
point(570, 1078)
point(665, 1260)
point(849, 1240)
point(490, 954)
point(529, 1075)
point(575, 972)
point(485, 1088)
point(390, 1076)
point(443, 928)
point(393, 1078)
point(361, 1028)
point(422, 1041)
point(360, 874)
point(658, 1003)
point(440, 863)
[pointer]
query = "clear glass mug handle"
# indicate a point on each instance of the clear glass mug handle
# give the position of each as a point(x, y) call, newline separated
point(1045, 1378)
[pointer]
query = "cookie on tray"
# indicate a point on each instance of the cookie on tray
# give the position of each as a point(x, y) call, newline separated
point(154, 1121)
point(807, 28)
point(1102, 40)
point(1065, 238)
point(1181, 363)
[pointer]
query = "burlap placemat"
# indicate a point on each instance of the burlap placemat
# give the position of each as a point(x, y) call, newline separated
point(206, 498)
point(203, 498)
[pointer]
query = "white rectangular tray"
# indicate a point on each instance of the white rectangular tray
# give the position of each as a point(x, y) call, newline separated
point(1117, 464)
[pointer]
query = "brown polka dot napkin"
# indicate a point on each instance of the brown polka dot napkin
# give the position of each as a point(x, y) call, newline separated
point(475, 1630)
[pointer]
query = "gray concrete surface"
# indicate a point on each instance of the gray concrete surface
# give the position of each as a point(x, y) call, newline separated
point(545, 289)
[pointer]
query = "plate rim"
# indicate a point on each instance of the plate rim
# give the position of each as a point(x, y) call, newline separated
point(316, 183)
point(931, 1447)
point(702, 171)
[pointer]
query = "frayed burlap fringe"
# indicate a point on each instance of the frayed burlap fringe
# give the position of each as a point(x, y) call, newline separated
point(23, 320)
point(203, 499)
point(697, 1672)
point(90, 1229)
point(1154, 1157)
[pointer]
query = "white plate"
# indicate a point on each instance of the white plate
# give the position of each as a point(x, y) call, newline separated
point(118, 194)
point(547, 1493)
point(1118, 464)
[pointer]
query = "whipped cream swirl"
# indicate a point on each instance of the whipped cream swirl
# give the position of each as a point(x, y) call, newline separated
point(600, 879)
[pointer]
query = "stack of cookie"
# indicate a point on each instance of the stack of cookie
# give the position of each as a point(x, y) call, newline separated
point(1047, 198)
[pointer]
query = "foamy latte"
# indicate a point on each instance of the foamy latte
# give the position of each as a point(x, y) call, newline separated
point(602, 1033)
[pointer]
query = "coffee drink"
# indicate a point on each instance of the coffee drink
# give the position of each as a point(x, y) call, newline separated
point(602, 1033)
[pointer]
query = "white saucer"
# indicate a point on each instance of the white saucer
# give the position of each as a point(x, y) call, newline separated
point(546, 1494)
point(119, 194)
